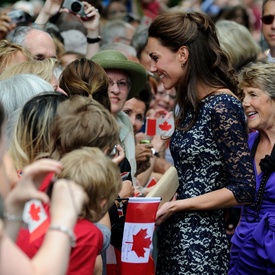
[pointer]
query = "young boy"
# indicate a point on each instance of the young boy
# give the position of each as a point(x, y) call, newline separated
point(100, 178)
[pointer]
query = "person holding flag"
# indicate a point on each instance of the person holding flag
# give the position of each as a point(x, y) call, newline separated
point(64, 212)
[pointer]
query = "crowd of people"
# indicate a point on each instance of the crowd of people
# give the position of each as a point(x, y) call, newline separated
point(77, 88)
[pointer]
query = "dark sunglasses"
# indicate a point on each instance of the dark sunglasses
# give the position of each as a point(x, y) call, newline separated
point(268, 19)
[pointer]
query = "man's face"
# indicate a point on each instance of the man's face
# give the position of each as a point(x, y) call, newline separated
point(40, 44)
point(269, 29)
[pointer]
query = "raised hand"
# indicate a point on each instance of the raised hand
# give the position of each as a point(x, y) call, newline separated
point(50, 8)
point(27, 186)
point(67, 202)
point(119, 156)
point(91, 20)
point(5, 25)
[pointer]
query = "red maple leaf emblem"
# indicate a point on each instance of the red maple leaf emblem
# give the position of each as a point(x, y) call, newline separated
point(34, 212)
point(140, 242)
point(165, 126)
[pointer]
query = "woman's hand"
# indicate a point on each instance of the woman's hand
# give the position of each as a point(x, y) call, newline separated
point(91, 20)
point(143, 152)
point(26, 187)
point(127, 189)
point(5, 25)
point(51, 7)
point(158, 113)
point(119, 156)
point(166, 210)
point(163, 213)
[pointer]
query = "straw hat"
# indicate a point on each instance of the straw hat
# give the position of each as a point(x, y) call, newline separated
point(112, 59)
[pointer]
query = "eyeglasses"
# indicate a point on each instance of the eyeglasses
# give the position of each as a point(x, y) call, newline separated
point(268, 19)
point(164, 94)
point(122, 84)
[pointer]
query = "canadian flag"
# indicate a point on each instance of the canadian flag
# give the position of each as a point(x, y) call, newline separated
point(35, 216)
point(137, 236)
point(46, 182)
point(160, 126)
point(151, 182)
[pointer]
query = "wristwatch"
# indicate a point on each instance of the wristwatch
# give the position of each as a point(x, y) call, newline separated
point(155, 153)
point(93, 40)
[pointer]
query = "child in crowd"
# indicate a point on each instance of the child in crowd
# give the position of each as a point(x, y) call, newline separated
point(56, 245)
point(100, 178)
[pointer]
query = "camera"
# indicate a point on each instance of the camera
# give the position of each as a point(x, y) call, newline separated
point(75, 6)
point(17, 16)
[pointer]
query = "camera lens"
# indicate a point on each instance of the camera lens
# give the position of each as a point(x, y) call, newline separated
point(76, 7)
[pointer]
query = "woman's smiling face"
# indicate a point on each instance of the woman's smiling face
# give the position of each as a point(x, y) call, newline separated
point(259, 108)
point(165, 63)
point(118, 93)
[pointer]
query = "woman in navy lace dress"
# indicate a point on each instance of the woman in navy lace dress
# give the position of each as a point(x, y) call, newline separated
point(209, 144)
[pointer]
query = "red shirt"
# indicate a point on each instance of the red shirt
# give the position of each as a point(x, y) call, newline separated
point(89, 241)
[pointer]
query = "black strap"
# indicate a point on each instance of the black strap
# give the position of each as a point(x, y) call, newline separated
point(265, 177)
point(255, 145)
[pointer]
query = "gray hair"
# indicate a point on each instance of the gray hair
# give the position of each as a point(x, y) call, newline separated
point(19, 34)
point(259, 75)
point(127, 50)
point(115, 29)
point(17, 90)
point(139, 40)
point(11, 124)
point(237, 42)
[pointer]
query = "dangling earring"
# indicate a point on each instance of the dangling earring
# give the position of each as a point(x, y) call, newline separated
point(182, 65)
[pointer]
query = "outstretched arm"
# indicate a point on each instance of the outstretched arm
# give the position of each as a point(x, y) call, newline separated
point(91, 23)
point(218, 199)
point(25, 190)
point(56, 245)
point(50, 8)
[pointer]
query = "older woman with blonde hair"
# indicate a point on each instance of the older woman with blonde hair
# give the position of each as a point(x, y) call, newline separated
point(46, 69)
point(11, 53)
point(252, 250)
point(17, 90)
point(238, 43)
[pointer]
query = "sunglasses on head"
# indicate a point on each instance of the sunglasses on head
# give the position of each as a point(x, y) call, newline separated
point(268, 19)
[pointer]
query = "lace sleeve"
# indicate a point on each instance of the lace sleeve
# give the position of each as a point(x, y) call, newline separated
point(231, 134)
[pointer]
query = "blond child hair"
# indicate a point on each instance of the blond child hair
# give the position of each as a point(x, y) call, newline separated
point(97, 174)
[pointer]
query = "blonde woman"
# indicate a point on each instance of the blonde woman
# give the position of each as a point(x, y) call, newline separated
point(11, 53)
point(64, 212)
point(31, 137)
point(238, 43)
point(46, 69)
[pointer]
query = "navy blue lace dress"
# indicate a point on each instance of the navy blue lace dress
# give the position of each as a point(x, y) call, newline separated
point(213, 154)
